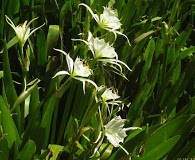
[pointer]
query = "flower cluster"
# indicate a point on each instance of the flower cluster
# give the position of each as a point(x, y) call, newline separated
point(105, 53)
point(102, 57)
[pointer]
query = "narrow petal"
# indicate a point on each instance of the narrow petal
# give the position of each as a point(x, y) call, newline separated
point(60, 73)
point(69, 60)
point(83, 80)
point(99, 142)
point(85, 43)
point(111, 61)
point(59, 50)
point(124, 36)
point(116, 61)
point(35, 30)
point(95, 16)
point(9, 21)
point(132, 128)
point(70, 63)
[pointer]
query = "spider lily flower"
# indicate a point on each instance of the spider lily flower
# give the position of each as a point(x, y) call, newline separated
point(102, 51)
point(100, 48)
point(22, 30)
point(108, 20)
point(76, 70)
point(108, 95)
point(115, 132)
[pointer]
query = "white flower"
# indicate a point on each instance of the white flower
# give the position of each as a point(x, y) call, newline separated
point(100, 48)
point(108, 94)
point(22, 30)
point(115, 132)
point(103, 52)
point(108, 20)
point(76, 70)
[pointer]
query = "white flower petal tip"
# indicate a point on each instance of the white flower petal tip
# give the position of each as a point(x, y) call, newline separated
point(22, 30)
point(59, 50)
point(115, 132)
point(60, 73)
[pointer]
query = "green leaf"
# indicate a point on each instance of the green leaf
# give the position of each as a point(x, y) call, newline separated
point(4, 149)
point(43, 155)
point(24, 95)
point(12, 42)
point(7, 78)
point(2, 17)
point(107, 151)
point(187, 52)
point(153, 77)
point(1, 74)
point(8, 124)
point(41, 48)
point(162, 133)
point(185, 149)
point(56, 149)
point(63, 14)
point(185, 131)
point(144, 35)
point(147, 57)
point(171, 55)
point(139, 101)
point(52, 38)
point(28, 151)
point(34, 101)
point(47, 118)
point(182, 38)
point(160, 150)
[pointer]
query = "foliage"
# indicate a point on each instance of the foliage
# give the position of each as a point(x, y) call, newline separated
point(60, 88)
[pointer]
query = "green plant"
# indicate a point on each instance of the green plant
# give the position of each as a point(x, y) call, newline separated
point(68, 88)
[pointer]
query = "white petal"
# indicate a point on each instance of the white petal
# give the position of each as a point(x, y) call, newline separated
point(70, 63)
point(109, 95)
point(116, 138)
point(100, 48)
point(59, 50)
point(114, 131)
point(95, 16)
point(132, 128)
point(80, 69)
point(109, 19)
point(9, 21)
point(83, 80)
point(60, 73)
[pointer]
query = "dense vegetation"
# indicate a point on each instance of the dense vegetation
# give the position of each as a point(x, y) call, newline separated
point(97, 79)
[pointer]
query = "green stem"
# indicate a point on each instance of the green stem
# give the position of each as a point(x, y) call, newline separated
point(62, 89)
point(98, 29)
